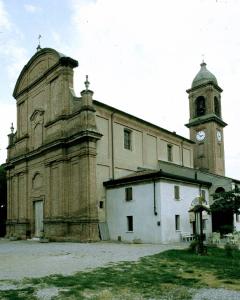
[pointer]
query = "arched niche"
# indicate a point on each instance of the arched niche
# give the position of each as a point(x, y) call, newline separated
point(37, 181)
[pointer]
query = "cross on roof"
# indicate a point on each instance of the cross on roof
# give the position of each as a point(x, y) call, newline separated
point(39, 45)
point(86, 83)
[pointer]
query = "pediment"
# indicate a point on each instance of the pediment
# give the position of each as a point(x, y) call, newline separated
point(38, 66)
point(37, 69)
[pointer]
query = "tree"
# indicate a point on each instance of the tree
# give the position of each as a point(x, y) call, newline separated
point(226, 201)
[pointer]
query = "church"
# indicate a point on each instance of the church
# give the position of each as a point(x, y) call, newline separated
point(81, 170)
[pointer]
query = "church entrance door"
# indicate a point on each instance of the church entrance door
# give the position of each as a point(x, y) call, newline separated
point(38, 210)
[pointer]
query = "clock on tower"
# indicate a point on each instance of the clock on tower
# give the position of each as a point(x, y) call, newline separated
point(205, 122)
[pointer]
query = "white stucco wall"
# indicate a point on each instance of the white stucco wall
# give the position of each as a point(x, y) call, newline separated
point(171, 207)
point(141, 208)
point(236, 222)
point(145, 222)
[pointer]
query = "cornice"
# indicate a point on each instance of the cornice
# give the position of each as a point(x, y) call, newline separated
point(205, 119)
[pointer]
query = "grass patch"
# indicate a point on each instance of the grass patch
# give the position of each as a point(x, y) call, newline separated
point(173, 274)
point(20, 294)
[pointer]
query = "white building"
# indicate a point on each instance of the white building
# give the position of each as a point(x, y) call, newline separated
point(152, 207)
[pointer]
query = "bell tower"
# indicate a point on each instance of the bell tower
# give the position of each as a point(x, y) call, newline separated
point(205, 122)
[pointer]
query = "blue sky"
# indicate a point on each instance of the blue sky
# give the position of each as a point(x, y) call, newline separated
point(140, 55)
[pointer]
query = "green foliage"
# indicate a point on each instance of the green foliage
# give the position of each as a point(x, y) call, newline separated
point(231, 250)
point(224, 229)
point(226, 201)
point(192, 247)
point(21, 294)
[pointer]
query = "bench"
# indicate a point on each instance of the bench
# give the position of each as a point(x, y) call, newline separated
point(186, 236)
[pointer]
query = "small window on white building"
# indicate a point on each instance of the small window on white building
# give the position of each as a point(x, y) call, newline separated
point(129, 223)
point(177, 222)
point(169, 152)
point(177, 192)
point(128, 193)
point(127, 139)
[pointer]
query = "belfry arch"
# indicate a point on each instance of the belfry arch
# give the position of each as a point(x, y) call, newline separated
point(217, 108)
point(200, 106)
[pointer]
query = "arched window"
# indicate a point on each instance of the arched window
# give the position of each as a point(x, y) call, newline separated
point(220, 190)
point(217, 107)
point(200, 106)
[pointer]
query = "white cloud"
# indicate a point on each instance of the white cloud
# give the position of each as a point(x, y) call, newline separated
point(31, 8)
point(4, 20)
point(16, 57)
point(56, 37)
point(12, 54)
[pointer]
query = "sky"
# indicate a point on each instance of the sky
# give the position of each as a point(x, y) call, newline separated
point(140, 55)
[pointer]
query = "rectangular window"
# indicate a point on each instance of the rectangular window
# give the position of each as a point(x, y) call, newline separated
point(177, 222)
point(128, 193)
point(176, 192)
point(169, 152)
point(127, 139)
point(130, 223)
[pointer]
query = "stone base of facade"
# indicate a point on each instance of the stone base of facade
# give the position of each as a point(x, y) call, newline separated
point(60, 229)
point(71, 230)
point(18, 229)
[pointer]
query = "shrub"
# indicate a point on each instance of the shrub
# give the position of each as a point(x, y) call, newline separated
point(193, 246)
point(230, 249)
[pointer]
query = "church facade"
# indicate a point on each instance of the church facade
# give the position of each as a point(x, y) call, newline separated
point(68, 151)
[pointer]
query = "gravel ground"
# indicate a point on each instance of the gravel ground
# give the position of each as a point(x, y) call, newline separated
point(33, 259)
point(216, 294)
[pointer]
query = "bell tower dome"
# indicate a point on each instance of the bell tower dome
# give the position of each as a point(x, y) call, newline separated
point(206, 123)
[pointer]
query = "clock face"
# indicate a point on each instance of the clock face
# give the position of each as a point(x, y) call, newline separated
point(219, 136)
point(200, 135)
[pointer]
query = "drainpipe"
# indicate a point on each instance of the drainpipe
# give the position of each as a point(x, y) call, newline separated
point(182, 151)
point(154, 198)
point(112, 146)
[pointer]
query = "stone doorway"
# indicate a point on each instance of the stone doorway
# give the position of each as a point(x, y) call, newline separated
point(38, 214)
